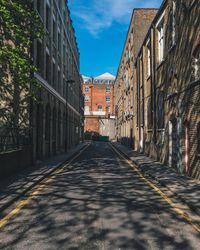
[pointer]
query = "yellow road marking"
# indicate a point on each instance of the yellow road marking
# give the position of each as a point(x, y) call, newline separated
point(164, 196)
point(5, 220)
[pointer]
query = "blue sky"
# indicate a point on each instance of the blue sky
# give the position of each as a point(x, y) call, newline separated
point(101, 27)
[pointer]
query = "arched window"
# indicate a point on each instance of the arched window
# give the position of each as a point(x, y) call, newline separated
point(160, 110)
point(196, 64)
point(198, 139)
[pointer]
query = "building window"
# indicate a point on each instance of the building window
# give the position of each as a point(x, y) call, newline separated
point(48, 18)
point(107, 89)
point(87, 98)
point(54, 31)
point(59, 42)
point(161, 41)
point(54, 75)
point(198, 139)
point(196, 64)
point(39, 7)
point(150, 120)
point(148, 59)
point(39, 57)
point(107, 98)
point(59, 80)
point(87, 108)
point(87, 89)
point(100, 109)
point(160, 110)
point(48, 69)
point(108, 109)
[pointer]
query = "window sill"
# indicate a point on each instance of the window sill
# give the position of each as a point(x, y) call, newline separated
point(160, 64)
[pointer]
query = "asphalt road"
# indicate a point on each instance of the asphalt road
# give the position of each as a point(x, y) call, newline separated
point(97, 203)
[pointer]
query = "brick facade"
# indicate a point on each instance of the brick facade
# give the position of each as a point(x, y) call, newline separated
point(124, 88)
point(167, 88)
point(99, 103)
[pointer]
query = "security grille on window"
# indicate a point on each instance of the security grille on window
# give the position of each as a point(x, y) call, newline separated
point(107, 98)
point(160, 41)
point(86, 89)
point(107, 89)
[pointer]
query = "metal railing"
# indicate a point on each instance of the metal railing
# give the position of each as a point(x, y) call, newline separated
point(14, 139)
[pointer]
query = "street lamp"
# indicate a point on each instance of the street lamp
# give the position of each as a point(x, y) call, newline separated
point(69, 81)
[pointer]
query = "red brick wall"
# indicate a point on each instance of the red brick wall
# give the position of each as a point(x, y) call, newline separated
point(97, 94)
point(91, 124)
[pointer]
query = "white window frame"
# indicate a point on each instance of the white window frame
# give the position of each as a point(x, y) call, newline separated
point(100, 109)
point(87, 89)
point(87, 98)
point(148, 58)
point(107, 89)
point(87, 108)
point(107, 98)
point(160, 29)
point(108, 109)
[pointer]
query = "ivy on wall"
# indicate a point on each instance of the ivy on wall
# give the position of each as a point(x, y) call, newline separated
point(19, 26)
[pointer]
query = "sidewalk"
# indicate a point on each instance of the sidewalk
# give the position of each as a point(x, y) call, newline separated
point(185, 188)
point(13, 188)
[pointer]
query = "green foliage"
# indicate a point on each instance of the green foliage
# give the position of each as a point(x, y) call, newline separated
point(19, 26)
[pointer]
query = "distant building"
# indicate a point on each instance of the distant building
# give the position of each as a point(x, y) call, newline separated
point(98, 94)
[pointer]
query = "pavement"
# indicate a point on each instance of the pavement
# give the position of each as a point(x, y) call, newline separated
point(13, 188)
point(185, 188)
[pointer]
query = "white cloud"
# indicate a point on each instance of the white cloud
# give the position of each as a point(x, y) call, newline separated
point(101, 14)
point(97, 15)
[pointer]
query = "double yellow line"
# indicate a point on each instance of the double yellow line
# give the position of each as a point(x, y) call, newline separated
point(6, 219)
point(164, 196)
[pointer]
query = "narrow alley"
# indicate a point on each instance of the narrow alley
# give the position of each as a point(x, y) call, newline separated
point(98, 201)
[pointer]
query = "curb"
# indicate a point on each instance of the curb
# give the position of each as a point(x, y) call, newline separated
point(191, 207)
point(45, 175)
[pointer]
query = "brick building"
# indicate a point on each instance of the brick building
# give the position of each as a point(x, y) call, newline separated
point(99, 103)
point(166, 123)
point(124, 88)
